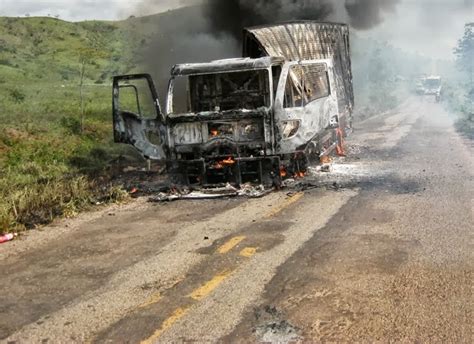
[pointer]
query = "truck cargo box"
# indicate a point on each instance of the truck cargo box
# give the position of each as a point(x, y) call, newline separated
point(306, 40)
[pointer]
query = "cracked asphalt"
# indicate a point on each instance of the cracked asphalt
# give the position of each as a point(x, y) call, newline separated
point(381, 250)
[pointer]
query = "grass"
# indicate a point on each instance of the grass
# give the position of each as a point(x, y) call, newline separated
point(48, 166)
point(46, 162)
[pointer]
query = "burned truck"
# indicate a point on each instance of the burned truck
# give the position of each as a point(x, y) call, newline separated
point(282, 106)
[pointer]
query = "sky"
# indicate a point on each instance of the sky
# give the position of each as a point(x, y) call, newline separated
point(431, 27)
point(77, 10)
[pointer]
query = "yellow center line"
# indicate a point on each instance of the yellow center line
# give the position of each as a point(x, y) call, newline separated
point(248, 252)
point(177, 314)
point(293, 199)
point(229, 245)
point(203, 291)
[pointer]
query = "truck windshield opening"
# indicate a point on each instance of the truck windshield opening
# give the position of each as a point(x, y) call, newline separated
point(242, 90)
point(433, 83)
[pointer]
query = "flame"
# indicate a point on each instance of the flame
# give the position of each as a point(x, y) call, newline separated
point(340, 143)
point(283, 173)
point(228, 162)
point(223, 163)
point(300, 174)
point(325, 159)
point(214, 132)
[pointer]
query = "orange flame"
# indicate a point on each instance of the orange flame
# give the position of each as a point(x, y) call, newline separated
point(299, 174)
point(340, 143)
point(214, 132)
point(223, 163)
point(228, 162)
point(283, 173)
point(325, 159)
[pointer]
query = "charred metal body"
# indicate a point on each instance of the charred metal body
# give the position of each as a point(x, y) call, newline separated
point(251, 119)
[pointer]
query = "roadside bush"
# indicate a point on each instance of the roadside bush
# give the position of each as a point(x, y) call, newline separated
point(40, 203)
point(37, 183)
point(7, 220)
point(91, 161)
point(26, 205)
point(17, 96)
point(465, 123)
point(6, 62)
point(5, 47)
point(71, 124)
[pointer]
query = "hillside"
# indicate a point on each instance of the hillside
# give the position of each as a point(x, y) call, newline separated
point(43, 49)
point(47, 49)
point(45, 157)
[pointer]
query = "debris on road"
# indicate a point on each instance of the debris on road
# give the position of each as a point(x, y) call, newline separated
point(246, 190)
point(323, 174)
point(331, 172)
point(8, 237)
point(326, 168)
point(274, 328)
point(251, 191)
point(174, 194)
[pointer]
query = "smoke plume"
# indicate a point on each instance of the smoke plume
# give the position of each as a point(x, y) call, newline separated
point(213, 29)
point(365, 14)
point(232, 15)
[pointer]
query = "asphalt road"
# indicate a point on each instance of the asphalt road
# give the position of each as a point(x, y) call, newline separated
point(380, 250)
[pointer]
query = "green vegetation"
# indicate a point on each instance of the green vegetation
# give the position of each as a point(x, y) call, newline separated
point(463, 101)
point(384, 76)
point(52, 138)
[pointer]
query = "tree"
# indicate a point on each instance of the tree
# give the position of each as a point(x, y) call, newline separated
point(88, 54)
point(465, 57)
point(381, 80)
point(17, 95)
point(464, 53)
point(465, 50)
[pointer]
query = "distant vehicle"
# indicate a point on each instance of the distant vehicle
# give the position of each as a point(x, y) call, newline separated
point(431, 86)
point(252, 119)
